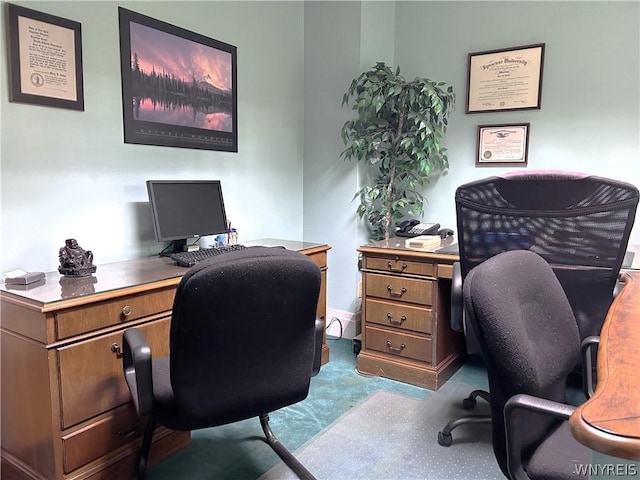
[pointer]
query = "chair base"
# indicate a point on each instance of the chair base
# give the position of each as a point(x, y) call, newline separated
point(444, 436)
point(286, 456)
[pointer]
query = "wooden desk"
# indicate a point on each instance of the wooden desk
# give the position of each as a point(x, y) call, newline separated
point(66, 409)
point(609, 421)
point(406, 310)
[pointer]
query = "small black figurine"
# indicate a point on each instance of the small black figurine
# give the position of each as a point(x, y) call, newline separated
point(74, 260)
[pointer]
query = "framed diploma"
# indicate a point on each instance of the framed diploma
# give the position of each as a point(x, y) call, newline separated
point(506, 145)
point(506, 79)
point(45, 59)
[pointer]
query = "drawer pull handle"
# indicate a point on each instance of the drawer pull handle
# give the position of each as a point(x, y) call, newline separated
point(393, 349)
point(397, 270)
point(117, 349)
point(403, 318)
point(128, 433)
point(396, 294)
point(126, 310)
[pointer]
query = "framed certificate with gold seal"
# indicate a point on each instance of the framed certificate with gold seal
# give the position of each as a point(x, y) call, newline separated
point(506, 144)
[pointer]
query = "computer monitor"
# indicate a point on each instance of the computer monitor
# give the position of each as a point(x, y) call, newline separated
point(185, 209)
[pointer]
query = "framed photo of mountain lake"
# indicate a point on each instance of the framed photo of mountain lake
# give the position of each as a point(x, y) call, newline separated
point(178, 87)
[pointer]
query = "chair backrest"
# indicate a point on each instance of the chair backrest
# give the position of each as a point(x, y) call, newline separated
point(243, 332)
point(528, 337)
point(580, 224)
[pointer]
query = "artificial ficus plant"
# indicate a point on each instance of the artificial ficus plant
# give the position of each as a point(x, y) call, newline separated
point(399, 130)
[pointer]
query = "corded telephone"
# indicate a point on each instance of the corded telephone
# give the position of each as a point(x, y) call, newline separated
point(413, 228)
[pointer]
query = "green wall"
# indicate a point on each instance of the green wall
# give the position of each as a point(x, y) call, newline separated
point(590, 116)
point(589, 120)
point(69, 174)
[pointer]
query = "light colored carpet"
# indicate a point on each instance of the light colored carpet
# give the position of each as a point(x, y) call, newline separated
point(390, 436)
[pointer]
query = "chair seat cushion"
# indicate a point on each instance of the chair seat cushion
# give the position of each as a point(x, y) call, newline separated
point(166, 408)
point(556, 458)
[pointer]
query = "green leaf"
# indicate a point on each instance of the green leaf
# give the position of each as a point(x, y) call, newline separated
point(398, 132)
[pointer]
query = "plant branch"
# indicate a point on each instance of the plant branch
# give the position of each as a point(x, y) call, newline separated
point(399, 130)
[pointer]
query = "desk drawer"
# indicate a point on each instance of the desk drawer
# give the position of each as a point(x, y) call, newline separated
point(91, 377)
point(396, 264)
point(396, 314)
point(112, 312)
point(396, 343)
point(445, 270)
point(392, 287)
point(100, 438)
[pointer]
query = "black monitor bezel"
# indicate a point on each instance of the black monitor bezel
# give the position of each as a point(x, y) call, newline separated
point(154, 213)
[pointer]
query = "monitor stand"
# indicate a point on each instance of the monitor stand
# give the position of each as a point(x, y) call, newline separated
point(174, 247)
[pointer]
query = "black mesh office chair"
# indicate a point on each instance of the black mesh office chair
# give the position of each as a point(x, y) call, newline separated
point(244, 342)
point(579, 223)
point(530, 343)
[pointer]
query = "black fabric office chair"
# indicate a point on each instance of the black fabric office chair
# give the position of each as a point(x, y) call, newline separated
point(579, 223)
point(244, 342)
point(530, 342)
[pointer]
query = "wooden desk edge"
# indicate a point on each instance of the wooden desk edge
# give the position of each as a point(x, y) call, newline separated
point(585, 432)
point(601, 441)
point(446, 257)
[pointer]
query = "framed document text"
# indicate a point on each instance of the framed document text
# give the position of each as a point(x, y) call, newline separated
point(178, 87)
point(45, 59)
point(506, 79)
point(506, 145)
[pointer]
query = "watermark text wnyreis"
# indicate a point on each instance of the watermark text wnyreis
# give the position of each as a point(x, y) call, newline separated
point(606, 469)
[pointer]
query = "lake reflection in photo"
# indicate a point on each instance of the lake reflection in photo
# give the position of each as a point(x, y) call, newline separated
point(147, 110)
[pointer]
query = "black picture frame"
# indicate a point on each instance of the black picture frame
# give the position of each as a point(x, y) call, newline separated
point(45, 59)
point(166, 105)
point(504, 145)
point(505, 79)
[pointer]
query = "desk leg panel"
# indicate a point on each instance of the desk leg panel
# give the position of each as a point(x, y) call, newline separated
point(27, 423)
point(321, 312)
point(168, 443)
point(119, 465)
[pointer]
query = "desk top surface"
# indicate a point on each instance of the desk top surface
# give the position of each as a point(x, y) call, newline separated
point(448, 248)
point(610, 420)
point(128, 273)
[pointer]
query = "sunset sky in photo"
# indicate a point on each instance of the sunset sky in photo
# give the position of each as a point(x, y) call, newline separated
point(183, 58)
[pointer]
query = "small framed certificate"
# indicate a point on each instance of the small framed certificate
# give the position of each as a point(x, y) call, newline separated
point(45, 59)
point(506, 145)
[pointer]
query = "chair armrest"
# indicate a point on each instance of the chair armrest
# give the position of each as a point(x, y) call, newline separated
point(137, 370)
point(617, 287)
point(587, 367)
point(457, 303)
point(513, 430)
point(317, 353)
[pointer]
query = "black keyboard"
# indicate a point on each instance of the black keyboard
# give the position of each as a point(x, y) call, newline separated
point(189, 259)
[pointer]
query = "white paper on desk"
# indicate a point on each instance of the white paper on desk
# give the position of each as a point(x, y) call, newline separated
point(423, 242)
point(14, 273)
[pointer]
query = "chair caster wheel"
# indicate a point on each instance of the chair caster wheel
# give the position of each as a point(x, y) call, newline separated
point(445, 439)
point(469, 403)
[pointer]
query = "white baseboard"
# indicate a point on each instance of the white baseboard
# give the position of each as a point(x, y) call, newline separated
point(350, 322)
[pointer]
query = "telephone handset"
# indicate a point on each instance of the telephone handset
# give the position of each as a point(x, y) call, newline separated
point(413, 228)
